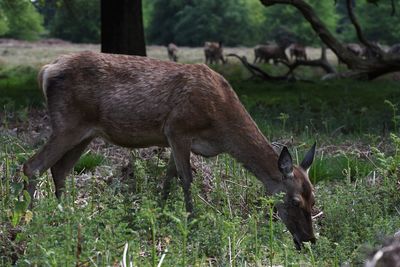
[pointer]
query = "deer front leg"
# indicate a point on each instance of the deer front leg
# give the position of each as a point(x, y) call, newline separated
point(53, 150)
point(61, 169)
point(181, 151)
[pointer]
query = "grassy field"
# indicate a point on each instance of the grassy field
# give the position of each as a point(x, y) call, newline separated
point(111, 213)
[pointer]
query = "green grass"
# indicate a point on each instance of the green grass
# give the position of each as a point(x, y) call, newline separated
point(99, 217)
point(88, 162)
point(18, 88)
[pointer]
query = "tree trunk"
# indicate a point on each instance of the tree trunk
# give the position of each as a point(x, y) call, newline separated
point(122, 27)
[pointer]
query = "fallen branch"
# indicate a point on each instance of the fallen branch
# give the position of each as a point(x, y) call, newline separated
point(367, 69)
point(256, 71)
point(322, 62)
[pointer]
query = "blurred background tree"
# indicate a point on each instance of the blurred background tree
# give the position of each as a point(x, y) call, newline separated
point(20, 19)
point(75, 20)
point(191, 22)
point(377, 23)
point(287, 20)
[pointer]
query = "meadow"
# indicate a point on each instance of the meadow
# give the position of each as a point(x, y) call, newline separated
point(111, 215)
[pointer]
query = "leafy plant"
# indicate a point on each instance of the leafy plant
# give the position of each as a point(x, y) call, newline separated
point(88, 162)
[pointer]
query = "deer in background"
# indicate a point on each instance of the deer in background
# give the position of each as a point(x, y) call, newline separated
point(356, 49)
point(213, 52)
point(172, 52)
point(297, 51)
point(138, 102)
point(268, 52)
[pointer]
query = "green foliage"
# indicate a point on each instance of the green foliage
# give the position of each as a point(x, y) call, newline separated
point(77, 21)
point(3, 23)
point(18, 88)
point(198, 21)
point(88, 162)
point(230, 228)
point(192, 23)
point(286, 20)
point(19, 19)
point(376, 21)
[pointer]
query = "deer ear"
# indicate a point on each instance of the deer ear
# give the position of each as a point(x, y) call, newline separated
point(285, 163)
point(309, 158)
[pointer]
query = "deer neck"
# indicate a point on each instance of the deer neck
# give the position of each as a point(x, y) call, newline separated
point(258, 156)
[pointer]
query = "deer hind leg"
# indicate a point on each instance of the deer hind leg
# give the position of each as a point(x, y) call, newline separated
point(61, 169)
point(181, 152)
point(55, 148)
point(171, 173)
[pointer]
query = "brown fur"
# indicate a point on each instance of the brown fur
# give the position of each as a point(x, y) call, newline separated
point(297, 51)
point(138, 102)
point(213, 52)
point(267, 52)
point(172, 52)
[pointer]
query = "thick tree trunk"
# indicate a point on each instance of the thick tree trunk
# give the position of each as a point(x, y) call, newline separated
point(122, 27)
point(370, 68)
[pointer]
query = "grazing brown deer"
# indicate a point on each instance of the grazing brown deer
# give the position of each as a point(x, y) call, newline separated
point(138, 102)
point(172, 52)
point(297, 51)
point(213, 52)
point(269, 51)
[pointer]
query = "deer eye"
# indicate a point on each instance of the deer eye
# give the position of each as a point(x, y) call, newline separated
point(296, 202)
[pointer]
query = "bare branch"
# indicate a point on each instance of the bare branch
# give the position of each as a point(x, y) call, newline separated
point(322, 62)
point(256, 71)
point(371, 47)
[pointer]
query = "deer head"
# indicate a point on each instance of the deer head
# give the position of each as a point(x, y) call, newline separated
point(295, 211)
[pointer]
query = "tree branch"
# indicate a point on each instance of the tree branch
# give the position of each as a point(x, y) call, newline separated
point(361, 68)
point(256, 71)
point(322, 62)
point(371, 47)
point(319, 27)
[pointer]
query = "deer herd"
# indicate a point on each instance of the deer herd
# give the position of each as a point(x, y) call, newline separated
point(137, 102)
point(271, 52)
point(213, 52)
